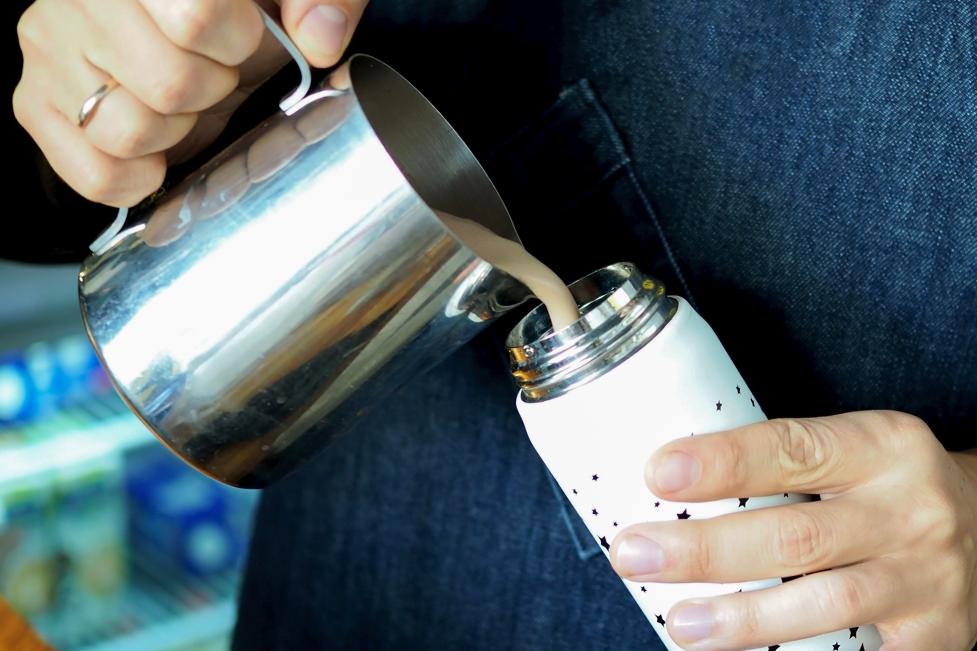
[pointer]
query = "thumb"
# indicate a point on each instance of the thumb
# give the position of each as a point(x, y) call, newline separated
point(322, 28)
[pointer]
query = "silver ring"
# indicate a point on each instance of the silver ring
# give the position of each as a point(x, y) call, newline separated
point(92, 101)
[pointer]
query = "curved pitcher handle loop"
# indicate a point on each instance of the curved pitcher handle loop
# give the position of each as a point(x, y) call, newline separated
point(289, 105)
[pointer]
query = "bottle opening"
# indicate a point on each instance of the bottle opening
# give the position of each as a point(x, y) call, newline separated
point(621, 309)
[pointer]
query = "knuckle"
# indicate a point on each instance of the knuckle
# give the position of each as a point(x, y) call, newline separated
point(191, 21)
point(100, 183)
point(841, 594)
point(132, 139)
point(937, 521)
point(749, 620)
point(803, 448)
point(701, 565)
point(801, 541)
point(170, 94)
point(20, 103)
point(906, 433)
point(29, 30)
point(732, 455)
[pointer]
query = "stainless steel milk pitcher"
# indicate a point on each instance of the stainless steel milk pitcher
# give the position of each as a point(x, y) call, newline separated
point(272, 298)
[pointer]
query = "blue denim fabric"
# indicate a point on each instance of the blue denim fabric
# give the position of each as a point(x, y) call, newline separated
point(805, 172)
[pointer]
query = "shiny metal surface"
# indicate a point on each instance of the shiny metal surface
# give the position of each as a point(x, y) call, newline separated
point(260, 308)
point(622, 309)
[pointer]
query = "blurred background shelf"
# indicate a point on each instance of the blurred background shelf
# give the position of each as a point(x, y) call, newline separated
point(158, 611)
point(107, 541)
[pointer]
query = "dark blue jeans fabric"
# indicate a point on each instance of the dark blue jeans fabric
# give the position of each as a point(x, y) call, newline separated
point(805, 173)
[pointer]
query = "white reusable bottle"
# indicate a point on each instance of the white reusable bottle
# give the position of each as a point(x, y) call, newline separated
point(638, 370)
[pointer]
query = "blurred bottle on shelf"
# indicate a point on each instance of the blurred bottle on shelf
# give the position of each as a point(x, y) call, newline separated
point(90, 524)
point(30, 565)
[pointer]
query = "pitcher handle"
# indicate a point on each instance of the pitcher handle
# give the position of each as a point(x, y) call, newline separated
point(291, 103)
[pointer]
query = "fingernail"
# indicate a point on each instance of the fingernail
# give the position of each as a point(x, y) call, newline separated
point(637, 556)
point(323, 30)
point(676, 471)
point(692, 622)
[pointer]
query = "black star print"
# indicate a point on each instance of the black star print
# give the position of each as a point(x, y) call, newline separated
point(719, 406)
point(835, 646)
point(853, 632)
point(604, 543)
point(743, 500)
point(752, 403)
point(786, 495)
point(657, 504)
point(738, 389)
point(861, 648)
point(574, 491)
point(661, 620)
point(595, 478)
point(615, 524)
point(594, 511)
point(644, 589)
point(684, 515)
point(773, 648)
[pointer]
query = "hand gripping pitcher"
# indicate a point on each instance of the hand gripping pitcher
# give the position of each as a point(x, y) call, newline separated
point(638, 370)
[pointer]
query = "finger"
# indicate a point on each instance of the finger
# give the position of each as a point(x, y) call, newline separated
point(121, 125)
point(773, 542)
point(90, 171)
point(227, 31)
point(129, 46)
point(322, 30)
point(838, 600)
point(807, 455)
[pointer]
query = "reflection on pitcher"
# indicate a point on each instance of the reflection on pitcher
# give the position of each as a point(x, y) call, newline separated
point(269, 150)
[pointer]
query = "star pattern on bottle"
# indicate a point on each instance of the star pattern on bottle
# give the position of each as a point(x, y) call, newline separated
point(574, 491)
point(604, 543)
point(595, 477)
point(752, 403)
point(660, 619)
point(594, 511)
point(684, 515)
point(719, 406)
point(773, 648)
point(644, 589)
point(738, 389)
point(852, 632)
point(614, 523)
point(743, 501)
point(835, 646)
point(657, 504)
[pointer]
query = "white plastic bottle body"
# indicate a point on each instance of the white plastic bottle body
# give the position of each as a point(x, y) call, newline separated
point(596, 438)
